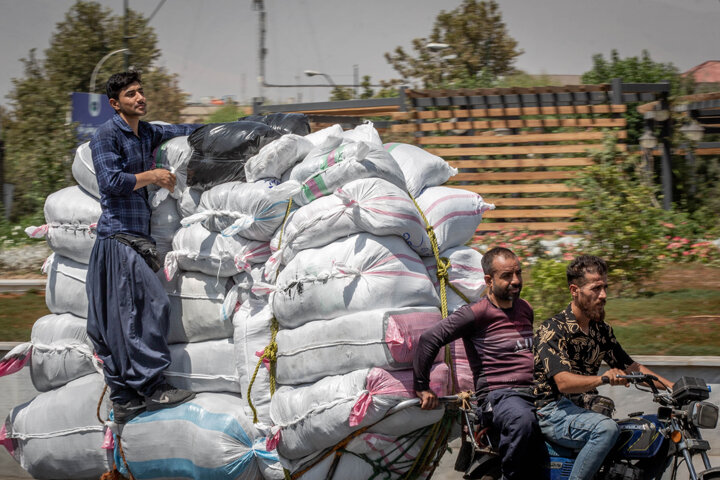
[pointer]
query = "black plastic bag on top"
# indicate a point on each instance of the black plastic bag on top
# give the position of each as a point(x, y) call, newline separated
point(296, 123)
point(220, 151)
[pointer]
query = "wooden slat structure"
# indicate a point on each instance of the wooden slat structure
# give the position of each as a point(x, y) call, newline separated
point(517, 147)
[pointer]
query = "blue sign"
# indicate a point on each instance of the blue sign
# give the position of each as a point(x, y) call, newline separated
point(90, 110)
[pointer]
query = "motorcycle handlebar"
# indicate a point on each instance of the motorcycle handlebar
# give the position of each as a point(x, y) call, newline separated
point(412, 402)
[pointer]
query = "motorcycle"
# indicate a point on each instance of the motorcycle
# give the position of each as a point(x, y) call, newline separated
point(648, 445)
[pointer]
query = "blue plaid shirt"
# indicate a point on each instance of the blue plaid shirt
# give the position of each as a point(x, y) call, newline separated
point(118, 154)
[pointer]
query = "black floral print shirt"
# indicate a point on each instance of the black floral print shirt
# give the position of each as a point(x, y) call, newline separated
point(561, 346)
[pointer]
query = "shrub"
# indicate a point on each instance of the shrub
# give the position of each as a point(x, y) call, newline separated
point(547, 291)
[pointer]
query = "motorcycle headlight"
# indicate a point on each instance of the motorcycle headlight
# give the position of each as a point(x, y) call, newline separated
point(702, 414)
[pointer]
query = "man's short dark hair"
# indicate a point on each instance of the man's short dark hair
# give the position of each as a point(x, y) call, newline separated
point(118, 81)
point(490, 255)
point(585, 264)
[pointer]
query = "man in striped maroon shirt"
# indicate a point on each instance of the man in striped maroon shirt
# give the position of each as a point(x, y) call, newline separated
point(497, 332)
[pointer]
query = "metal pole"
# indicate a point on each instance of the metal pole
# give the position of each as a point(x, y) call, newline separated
point(356, 80)
point(95, 71)
point(125, 37)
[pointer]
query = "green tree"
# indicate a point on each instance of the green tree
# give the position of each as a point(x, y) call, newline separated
point(341, 93)
point(479, 49)
point(39, 142)
point(620, 213)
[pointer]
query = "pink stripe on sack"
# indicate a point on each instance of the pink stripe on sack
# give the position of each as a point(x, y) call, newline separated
point(395, 257)
point(109, 441)
point(314, 188)
point(5, 441)
point(12, 365)
point(447, 198)
point(404, 216)
point(456, 214)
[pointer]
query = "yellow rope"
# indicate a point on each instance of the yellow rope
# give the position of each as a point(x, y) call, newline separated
point(270, 353)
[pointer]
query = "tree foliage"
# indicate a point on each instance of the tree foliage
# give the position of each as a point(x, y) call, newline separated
point(39, 140)
point(619, 211)
point(480, 49)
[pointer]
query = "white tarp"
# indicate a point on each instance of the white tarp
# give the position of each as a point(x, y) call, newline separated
point(203, 366)
point(83, 170)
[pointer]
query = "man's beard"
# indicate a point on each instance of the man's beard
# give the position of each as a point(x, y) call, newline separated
point(504, 293)
point(594, 313)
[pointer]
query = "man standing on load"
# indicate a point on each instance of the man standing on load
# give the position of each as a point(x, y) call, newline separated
point(568, 350)
point(128, 307)
point(497, 334)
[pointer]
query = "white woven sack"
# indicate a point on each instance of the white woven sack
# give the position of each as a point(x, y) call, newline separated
point(65, 289)
point(61, 351)
point(356, 274)
point(420, 167)
point(363, 133)
point(453, 213)
point(164, 223)
point(188, 202)
point(311, 418)
point(252, 334)
point(327, 138)
point(277, 157)
point(197, 249)
point(71, 216)
point(251, 210)
point(83, 170)
point(203, 366)
point(370, 205)
point(197, 308)
point(57, 434)
point(367, 455)
point(376, 338)
point(348, 162)
point(211, 437)
point(465, 273)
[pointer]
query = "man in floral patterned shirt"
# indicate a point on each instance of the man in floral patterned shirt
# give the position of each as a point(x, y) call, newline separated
point(568, 350)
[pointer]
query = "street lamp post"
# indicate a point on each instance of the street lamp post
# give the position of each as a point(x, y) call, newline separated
point(99, 64)
point(312, 73)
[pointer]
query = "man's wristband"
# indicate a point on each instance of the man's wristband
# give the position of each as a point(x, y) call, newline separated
point(605, 379)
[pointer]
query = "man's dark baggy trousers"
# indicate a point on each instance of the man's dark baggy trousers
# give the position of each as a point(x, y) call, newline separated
point(128, 312)
point(522, 448)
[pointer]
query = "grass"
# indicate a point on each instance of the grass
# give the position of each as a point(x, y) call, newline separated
point(680, 322)
point(18, 313)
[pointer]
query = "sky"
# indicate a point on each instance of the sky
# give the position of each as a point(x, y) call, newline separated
point(213, 44)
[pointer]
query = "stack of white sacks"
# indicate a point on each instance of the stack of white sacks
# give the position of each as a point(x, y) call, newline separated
point(296, 319)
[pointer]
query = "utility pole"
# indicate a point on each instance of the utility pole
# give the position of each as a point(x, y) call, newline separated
point(125, 36)
point(259, 6)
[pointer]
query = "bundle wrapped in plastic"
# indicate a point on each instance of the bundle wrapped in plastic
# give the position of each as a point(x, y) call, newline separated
point(464, 272)
point(211, 438)
point(252, 210)
point(203, 366)
point(295, 123)
point(61, 351)
point(197, 249)
point(453, 213)
point(313, 417)
point(71, 215)
point(220, 151)
point(65, 289)
point(359, 273)
point(382, 338)
point(421, 168)
point(253, 324)
point(164, 223)
point(188, 202)
point(83, 170)
point(370, 205)
point(198, 307)
point(275, 158)
point(57, 434)
point(173, 155)
point(321, 174)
